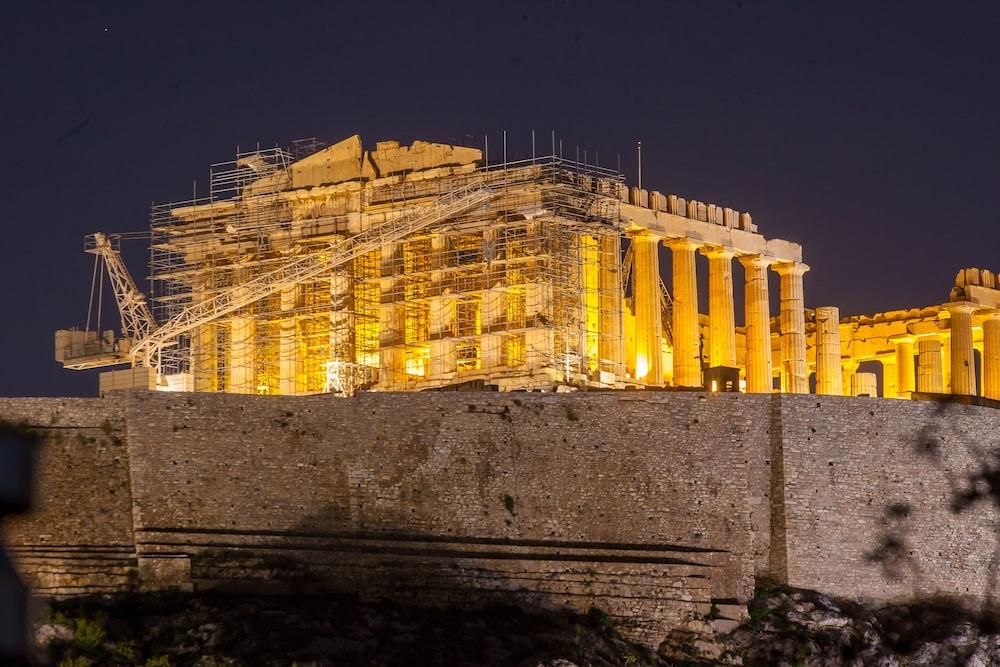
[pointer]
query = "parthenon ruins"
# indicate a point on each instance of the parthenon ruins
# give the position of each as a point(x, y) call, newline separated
point(338, 269)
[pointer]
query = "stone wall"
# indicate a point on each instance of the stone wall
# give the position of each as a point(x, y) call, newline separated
point(78, 537)
point(650, 505)
point(632, 502)
point(857, 471)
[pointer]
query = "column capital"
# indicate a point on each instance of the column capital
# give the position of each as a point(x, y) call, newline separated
point(755, 261)
point(645, 233)
point(961, 306)
point(790, 268)
point(991, 314)
point(903, 338)
point(682, 243)
point(717, 251)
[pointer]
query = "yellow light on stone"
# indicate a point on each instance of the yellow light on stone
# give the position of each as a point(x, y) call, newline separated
point(641, 367)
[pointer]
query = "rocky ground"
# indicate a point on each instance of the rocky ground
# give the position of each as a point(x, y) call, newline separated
point(784, 627)
point(211, 630)
point(797, 627)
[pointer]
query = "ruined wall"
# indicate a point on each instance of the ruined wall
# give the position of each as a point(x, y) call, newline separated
point(78, 537)
point(650, 505)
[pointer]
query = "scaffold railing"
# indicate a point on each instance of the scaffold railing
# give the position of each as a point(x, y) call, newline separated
point(146, 351)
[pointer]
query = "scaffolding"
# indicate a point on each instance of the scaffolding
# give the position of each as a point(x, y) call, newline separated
point(522, 291)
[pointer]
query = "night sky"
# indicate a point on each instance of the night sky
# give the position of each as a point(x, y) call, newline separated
point(866, 131)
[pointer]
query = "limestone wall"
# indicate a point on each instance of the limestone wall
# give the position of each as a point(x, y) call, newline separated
point(648, 504)
point(632, 502)
point(864, 477)
point(78, 538)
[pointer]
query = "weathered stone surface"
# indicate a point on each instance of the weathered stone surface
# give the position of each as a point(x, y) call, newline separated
point(650, 505)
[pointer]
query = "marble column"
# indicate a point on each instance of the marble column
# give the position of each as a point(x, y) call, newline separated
point(963, 365)
point(441, 312)
point(392, 317)
point(758, 324)
point(848, 369)
point(721, 314)
point(905, 377)
point(242, 356)
point(991, 356)
point(795, 378)
point(290, 371)
point(687, 353)
point(929, 378)
point(829, 380)
point(612, 340)
point(648, 324)
point(204, 346)
point(864, 384)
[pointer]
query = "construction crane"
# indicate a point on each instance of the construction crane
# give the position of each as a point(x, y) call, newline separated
point(146, 340)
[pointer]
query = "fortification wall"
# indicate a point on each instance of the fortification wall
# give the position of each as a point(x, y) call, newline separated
point(632, 502)
point(649, 505)
point(78, 537)
point(868, 489)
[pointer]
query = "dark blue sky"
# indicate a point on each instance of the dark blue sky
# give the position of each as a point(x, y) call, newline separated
point(867, 131)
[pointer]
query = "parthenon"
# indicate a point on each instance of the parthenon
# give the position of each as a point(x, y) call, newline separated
point(339, 269)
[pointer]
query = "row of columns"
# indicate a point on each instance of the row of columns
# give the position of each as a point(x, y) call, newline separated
point(959, 364)
point(932, 364)
point(721, 315)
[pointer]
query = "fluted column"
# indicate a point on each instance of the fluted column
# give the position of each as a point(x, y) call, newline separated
point(721, 315)
point(612, 340)
point(991, 356)
point(242, 356)
point(795, 379)
point(685, 334)
point(963, 365)
point(290, 373)
point(864, 384)
point(758, 324)
point(929, 378)
point(829, 380)
point(905, 378)
point(848, 369)
point(648, 325)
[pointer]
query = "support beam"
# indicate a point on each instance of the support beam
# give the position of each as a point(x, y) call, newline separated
point(929, 378)
point(758, 324)
point(687, 354)
point(829, 381)
point(991, 356)
point(721, 312)
point(648, 325)
point(795, 379)
point(963, 365)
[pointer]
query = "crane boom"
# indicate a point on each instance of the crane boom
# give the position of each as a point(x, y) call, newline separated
point(146, 351)
point(137, 319)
